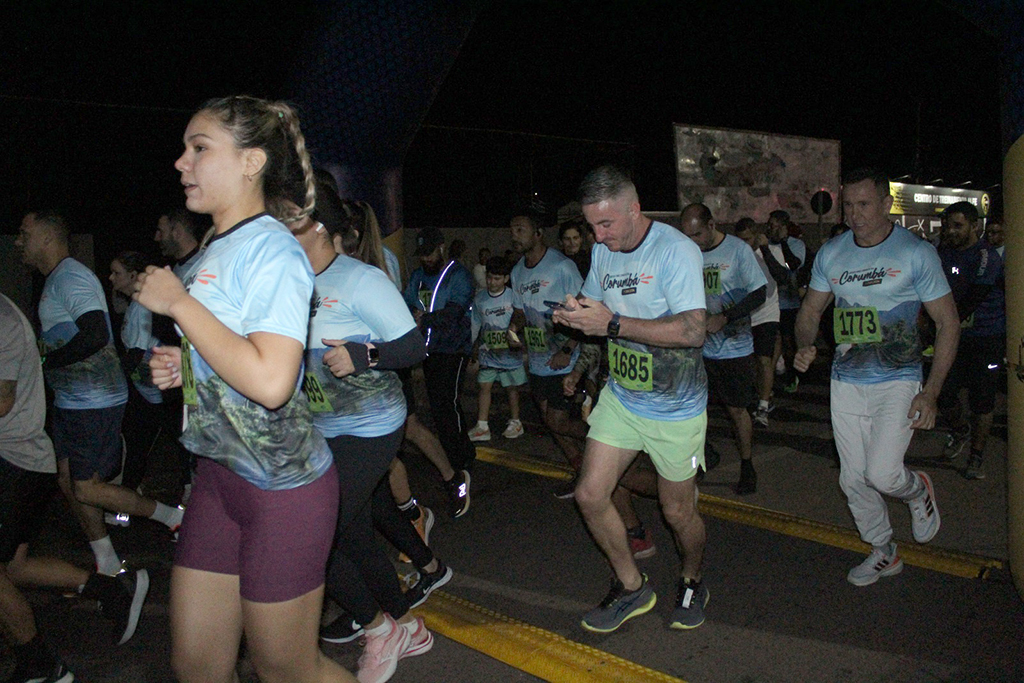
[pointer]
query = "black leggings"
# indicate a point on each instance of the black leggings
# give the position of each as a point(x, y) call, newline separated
point(360, 577)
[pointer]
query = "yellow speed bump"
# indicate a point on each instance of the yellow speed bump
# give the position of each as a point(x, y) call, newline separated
point(542, 468)
point(951, 562)
point(540, 653)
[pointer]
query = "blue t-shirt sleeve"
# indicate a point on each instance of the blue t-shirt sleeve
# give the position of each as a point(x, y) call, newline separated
point(573, 279)
point(753, 275)
point(276, 286)
point(591, 287)
point(819, 281)
point(385, 311)
point(929, 281)
point(683, 268)
point(137, 329)
point(77, 292)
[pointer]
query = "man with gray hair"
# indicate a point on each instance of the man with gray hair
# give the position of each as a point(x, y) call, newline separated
point(645, 293)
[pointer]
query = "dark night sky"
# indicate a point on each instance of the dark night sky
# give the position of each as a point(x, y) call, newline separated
point(95, 99)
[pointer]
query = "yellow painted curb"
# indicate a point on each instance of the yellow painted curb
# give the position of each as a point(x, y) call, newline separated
point(952, 562)
point(937, 559)
point(522, 463)
point(540, 653)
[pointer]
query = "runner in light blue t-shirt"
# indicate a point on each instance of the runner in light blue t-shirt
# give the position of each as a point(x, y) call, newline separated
point(880, 275)
point(645, 293)
point(545, 275)
point(734, 287)
point(492, 313)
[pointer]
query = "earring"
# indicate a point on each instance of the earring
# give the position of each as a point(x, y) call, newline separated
point(248, 177)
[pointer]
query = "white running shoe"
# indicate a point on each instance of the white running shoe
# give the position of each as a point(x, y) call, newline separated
point(514, 430)
point(480, 433)
point(877, 565)
point(924, 512)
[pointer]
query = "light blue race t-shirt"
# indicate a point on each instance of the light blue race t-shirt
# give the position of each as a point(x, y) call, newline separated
point(137, 333)
point(491, 317)
point(72, 290)
point(731, 271)
point(394, 269)
point(253, 278)
point(355, 302)
point(878, 293)
point(554, 276)
point(662, 276)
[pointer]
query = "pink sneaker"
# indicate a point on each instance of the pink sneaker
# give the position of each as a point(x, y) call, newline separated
point(381, 653)
point(420, 639)
point(642, 546)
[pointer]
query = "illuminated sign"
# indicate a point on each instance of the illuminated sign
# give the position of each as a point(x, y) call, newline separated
point(928, 200)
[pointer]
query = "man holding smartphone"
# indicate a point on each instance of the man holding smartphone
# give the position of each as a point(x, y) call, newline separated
point(645, 293)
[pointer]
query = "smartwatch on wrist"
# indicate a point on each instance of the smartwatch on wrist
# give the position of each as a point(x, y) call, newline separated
point(567, 350)
point(613, 327)
point(372, 356)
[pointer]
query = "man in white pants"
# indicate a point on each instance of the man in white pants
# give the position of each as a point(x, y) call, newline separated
point(880, 275)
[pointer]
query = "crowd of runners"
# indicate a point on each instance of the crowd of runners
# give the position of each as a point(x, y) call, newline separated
point(281, 347)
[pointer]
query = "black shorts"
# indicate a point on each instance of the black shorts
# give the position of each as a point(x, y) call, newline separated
point(549, 388)
point(765, 335)
point(977, 367)
point(90, 440)
point(731, 381)
point(24, 497)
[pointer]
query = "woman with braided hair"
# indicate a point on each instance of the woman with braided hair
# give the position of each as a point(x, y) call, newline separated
point(254, 543)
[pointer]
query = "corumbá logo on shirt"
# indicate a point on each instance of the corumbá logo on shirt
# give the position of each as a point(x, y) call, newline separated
point(533, 287)
point(319, 301)
point(866, 276)
point(627, 282)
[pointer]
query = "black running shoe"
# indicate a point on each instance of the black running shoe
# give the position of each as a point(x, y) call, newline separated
point(120, 599)
point(426, 584)
point(344, 629)
point(458, 493)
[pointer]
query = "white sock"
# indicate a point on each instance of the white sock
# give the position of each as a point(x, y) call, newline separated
point(381, 630)
point(107, 561)
point(167, 515)
point(762, 405)
point(482, 424)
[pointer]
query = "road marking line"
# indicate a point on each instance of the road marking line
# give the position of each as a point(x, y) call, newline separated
point(952, 562)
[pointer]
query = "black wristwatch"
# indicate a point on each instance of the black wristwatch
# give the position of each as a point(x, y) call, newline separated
point(567, 350)
point(372, 356)
point(613, 327)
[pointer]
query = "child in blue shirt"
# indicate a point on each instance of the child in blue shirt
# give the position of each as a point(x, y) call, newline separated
point(492, 312)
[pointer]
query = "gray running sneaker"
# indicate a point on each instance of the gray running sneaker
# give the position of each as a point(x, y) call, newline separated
point(924, 512)
point(955, 443)
point(877, 565)
point(973, 469)
point(620, 605)
point(690, 603)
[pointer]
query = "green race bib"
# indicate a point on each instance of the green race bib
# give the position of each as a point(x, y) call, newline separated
point(425, 295)
point(535, 339)
point(633, 370)
point(188, 380)
point(712, 280)
point(495, 340)
point(318, 401)
point(858, 325)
